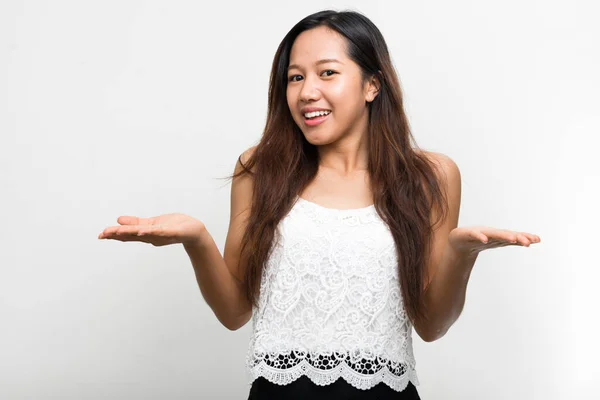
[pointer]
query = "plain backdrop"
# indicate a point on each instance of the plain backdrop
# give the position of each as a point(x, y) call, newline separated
point(142, 107)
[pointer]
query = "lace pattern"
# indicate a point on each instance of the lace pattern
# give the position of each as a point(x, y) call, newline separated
point(330, 303)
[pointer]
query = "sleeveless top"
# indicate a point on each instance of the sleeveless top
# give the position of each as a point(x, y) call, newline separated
point(330, 304)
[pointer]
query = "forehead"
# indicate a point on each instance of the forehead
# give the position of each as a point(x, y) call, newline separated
point(316, 44)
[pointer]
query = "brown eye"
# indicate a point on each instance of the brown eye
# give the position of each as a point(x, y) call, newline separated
point(329, 70)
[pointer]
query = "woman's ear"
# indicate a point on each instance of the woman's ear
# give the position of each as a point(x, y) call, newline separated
point(373, 87)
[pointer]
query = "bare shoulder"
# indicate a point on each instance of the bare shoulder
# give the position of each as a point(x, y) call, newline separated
point(448, 177)
point(446, 168)
point(245, 156)
point(444, 163)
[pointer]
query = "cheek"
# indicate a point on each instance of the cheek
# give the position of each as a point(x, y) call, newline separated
point(338, 93)
point(292, 101)
point(345, 100)
point(288, 97)
point(345, 94)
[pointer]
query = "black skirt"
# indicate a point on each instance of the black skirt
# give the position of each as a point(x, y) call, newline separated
point(304, 388)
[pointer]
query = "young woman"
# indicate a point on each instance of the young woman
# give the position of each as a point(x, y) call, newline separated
point(343, 234)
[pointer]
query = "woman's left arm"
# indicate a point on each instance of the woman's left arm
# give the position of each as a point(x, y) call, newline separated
point(453, 254)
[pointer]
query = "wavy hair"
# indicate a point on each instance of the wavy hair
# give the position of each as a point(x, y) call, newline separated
point(403, 182)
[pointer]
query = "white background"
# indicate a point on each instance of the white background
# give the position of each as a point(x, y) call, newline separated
point(139, 108)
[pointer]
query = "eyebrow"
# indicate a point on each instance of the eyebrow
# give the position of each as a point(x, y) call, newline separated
point(322, 61)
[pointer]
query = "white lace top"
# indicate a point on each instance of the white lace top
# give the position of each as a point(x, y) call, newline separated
point(330, 304)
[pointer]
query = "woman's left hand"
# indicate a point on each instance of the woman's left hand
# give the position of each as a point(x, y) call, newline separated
point(472, 240)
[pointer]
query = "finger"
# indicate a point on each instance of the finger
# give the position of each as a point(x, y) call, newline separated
point(503, 236)
point(500, 243)
point(157, 230)
point(498, 232)
point(529, 236)
point(504, 240)
point(108, 232)
point(532, 238)
point(120, 231)
point(141, 230)
point(130, 220)
point(133, 230)
point(519, 239)
point(512, 237)
point(124, 236)
point(519, 242)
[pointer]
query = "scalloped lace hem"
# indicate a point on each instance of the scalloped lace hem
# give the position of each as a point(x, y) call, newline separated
point(326, 377)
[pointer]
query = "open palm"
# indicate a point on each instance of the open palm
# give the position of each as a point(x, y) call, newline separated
point(478, 238)
point(159, 231)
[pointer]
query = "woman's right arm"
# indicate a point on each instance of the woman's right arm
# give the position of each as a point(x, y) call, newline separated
point(219, 277)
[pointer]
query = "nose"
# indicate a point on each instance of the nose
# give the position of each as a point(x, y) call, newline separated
point(309, 91)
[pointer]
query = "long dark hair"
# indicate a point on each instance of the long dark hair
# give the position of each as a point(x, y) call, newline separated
point(404, 185)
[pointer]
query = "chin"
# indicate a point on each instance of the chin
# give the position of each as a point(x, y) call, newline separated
point(319, 140)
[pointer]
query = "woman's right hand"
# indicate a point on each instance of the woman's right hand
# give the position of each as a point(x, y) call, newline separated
point(159, 231)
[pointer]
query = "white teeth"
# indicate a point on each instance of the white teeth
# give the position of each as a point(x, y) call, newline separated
point(316, 113)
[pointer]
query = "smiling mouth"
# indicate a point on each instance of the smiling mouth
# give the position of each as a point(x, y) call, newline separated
point(316, 120)
point(322, 115)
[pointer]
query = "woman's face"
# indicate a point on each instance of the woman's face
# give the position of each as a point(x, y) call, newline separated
point(315, 80)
